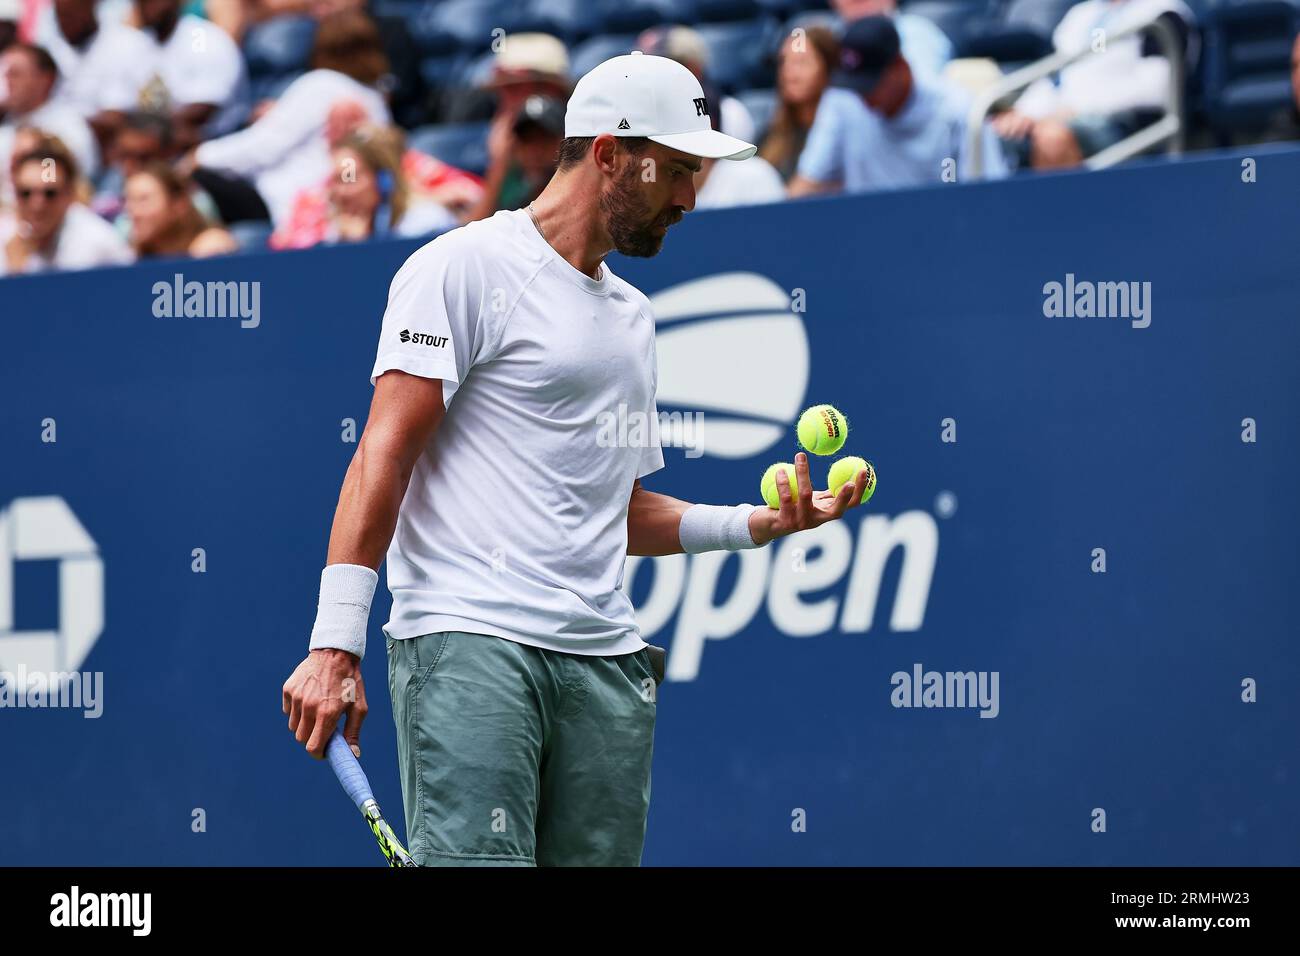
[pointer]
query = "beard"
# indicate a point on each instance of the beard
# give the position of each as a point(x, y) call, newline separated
point(629, 221)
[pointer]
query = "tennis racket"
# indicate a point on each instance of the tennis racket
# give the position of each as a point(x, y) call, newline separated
point(354, 782)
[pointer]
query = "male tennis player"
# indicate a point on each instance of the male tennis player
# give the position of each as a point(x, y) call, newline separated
point(518, 677)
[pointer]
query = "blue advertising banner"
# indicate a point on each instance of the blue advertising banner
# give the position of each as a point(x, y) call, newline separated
point(1062, 631)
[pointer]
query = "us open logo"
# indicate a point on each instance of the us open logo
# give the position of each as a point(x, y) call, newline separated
point(750, 401)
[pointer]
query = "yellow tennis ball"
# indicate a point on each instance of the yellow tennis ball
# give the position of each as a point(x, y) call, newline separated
point(771, 494)
point(846, 470)
point(822, 429)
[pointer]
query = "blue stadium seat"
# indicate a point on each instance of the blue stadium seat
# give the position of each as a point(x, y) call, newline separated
point(633, 16)
point(783, 9)
point(463, 145)
point(269, 87)
point(458, 26)
point(954, 17)
point(441, 72)
point(761, 105)
point(279, 46)
point(713, 11)
point(1020, 32)
point(739, 53)
point(250, 236)
point(570, 20)
point(597, 50)
point(1246, 73)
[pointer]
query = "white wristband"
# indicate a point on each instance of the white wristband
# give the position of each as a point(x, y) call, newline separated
point(716, 528)
point(346, 591)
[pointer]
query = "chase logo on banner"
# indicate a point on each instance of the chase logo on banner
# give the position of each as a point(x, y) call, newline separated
point(45, 529)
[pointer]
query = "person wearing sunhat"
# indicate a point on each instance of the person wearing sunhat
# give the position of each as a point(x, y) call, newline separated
point(883, 126)
point(523, 694)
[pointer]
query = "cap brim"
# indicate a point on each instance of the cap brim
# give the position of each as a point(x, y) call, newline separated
point(862, 83)
point(708, 143)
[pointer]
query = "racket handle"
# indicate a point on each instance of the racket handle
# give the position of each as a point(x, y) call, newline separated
point(348, 769)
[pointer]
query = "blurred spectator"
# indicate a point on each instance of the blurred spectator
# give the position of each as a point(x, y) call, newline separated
point(746, 183)
point(165, 221)
point(522, 156)
point(11, 12)
point(28, 77)
point(366, 197)
point(455, 189)
point(408, 96)
point(103, 65)
point(48, 228)
point(803, 72)
point(290, 145)
point(527, 64)
point(197, 71)
point(142, 138)
point(926, 48)
point(1095, 102)
point(688, 48)
point(885, 127)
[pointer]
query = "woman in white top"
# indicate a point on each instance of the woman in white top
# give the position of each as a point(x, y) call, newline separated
point(288, 145)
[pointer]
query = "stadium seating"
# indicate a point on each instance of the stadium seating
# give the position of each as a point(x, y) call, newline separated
point(1246, 71)
point(463, 145)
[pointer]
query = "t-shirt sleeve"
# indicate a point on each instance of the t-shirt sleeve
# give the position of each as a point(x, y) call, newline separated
point(435, 323)
point(652, 453)
point(822, 156)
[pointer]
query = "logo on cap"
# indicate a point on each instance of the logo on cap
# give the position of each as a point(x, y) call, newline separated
point(701, 106)
point(623, 124)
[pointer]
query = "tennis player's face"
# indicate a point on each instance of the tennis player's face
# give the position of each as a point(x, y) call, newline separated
point(652, 193)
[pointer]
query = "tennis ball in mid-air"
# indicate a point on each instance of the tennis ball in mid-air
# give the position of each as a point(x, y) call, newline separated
point(771, 494)
point(846, 470)
point(822, 429)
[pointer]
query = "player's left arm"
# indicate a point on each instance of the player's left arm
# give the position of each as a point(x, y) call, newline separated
point(654, 521)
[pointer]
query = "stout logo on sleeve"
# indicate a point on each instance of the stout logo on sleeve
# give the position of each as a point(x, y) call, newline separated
point(422, 338)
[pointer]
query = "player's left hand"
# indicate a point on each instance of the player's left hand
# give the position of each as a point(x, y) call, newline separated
point(807, 509)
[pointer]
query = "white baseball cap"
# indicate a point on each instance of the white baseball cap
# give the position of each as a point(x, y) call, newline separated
point(650, 96)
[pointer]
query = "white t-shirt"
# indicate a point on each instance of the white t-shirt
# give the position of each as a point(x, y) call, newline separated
point(59, 118)
point(746, 182)
point(199, 63)
point(287, 149)
point(515, 520)
point(108, 73)
point(84, 242)
point(1122, 78)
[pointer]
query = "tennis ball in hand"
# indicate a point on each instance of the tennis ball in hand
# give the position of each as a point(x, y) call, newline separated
point(771, 494)
point(845, 471)
point(822, 429)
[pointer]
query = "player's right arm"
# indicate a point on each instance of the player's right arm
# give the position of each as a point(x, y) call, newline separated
point(404, 415)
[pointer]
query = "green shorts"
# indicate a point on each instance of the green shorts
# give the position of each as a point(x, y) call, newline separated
point(511, 755)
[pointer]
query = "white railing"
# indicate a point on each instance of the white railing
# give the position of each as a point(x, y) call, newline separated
point(1169, 128)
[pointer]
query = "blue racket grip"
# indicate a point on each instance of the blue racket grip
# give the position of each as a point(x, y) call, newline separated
point(348, 769)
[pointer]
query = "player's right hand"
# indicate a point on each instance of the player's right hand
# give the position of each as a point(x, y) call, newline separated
point(320, 690)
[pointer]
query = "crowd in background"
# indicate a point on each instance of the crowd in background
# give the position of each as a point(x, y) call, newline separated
point(129, 128)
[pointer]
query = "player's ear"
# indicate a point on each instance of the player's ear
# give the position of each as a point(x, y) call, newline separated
point(605, 152)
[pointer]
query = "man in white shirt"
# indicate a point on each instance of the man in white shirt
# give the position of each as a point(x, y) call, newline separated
point(28, 77)
point(198, 72)
point(49, 228)
point(523, 693)
point(103, 65)
point(1099, 100)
